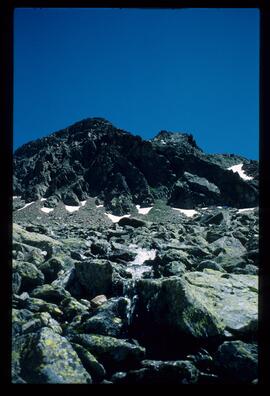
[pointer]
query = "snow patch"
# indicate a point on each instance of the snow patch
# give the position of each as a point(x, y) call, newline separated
point(46, 210)
point(245, 210)
point(15, 196)
point(143, 211)
point(43, 199)
point(238, 169)
point(25, 206)
point(44, 253)
point(83, 203)
point(72, 208)
point(115, 219)
point(99, 206)
point(187, 212)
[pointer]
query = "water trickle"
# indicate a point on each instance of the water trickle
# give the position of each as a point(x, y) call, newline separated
point(136, 268)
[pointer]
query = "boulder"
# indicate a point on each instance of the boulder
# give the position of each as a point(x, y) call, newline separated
point(112, 352)
point(49, 293)
point(133, 222)
point(43, 242)
point(159, 372)
point(174, 268)
point(201, 304)
point(38, 305)
point(237, 361)
point(29, 274)
point(51, 268)
point(209, 264)
point(228, 245)
point(50, 358)
point(95, 276)
point(98, 301)
point(108, 319)
point(100, 248)
point(90, 363)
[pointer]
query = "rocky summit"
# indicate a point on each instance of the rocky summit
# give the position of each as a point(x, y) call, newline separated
point(134, 261)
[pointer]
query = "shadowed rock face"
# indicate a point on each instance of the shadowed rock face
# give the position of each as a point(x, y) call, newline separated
point(94, 158)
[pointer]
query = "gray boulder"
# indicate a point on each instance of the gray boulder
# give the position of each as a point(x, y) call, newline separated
point(95, 276)
point(110, 351)
point(201, 304)
point(47, 357)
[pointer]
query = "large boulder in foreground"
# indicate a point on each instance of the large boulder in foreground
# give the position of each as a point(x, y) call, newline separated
point(201, 304)
point(48, 358)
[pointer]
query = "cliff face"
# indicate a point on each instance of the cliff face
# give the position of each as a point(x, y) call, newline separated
point(94, 158)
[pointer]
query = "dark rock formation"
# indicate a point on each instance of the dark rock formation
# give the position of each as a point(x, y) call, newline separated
point(93, 158)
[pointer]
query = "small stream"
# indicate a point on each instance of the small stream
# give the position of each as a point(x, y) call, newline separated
point(137, 270)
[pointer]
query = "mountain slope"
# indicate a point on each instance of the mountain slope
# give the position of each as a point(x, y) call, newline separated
point(94, 158)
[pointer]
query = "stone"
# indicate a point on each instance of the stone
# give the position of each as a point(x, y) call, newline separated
point(201, 304)
point(51, 294)
point(90, 363)
point(159, 372)
point(133, 222)
point(43, 242)
point(110, 351)
point(174, 268)
point(29, 274)
point(98, 301)
point(95, 276)
point(51, 268)
point(16, 282)
point(38, 305)
point(209, 264)
point(100, 248)
point(50, 358)
point(229, 245)
point(237, 361)
point(71, 308)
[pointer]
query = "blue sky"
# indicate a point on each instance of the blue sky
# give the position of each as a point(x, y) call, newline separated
point(190, 70)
